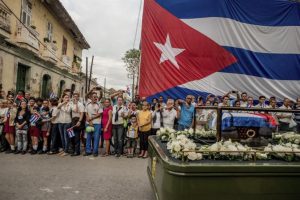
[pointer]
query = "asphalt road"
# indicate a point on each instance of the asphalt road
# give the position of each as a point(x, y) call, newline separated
point(44, 177)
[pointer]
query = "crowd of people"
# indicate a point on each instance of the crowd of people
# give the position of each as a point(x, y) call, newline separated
point(72, 125)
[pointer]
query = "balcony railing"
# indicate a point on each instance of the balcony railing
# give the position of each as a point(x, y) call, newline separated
point(5, 19)
point(66, 61)
point(27, 37)
point(50, 52)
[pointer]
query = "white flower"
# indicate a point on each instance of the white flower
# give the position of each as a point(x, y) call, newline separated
point(215, 147)
point(191, 131)
point(162, 130)
point(262, 156)
point(176, 146)
point(192, 156)
point(199, 156)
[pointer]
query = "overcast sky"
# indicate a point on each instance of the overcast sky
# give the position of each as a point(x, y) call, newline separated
point(109, 27)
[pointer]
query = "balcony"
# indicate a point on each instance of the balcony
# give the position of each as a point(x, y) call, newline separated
point(5, 25)
point(50, 52)
point(27, 38)
point(66, 62)
point(76, 67)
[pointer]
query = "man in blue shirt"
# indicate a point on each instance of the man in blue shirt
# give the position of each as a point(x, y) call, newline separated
point(186, 114)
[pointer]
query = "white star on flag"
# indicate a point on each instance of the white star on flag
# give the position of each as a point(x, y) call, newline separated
point(168, 52)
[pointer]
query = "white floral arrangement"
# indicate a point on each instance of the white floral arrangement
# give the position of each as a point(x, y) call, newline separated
point(165, 134)
point(287, 151)
point(288, 137)
point(202, 133)
point(228, 150)
point(181, 147)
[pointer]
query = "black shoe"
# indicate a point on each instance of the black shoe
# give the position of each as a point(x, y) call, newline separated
point(75, 154)
point(87, 154)
point(17, 152)
point(41, 152)
point(33, 152)
point(52, 152)
point(118, 155)
point(23, 152)
point(95, 154)
point(8, 151)
point(2, 150)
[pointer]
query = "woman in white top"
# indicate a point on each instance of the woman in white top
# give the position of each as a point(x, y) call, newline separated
point(77, 122)
point(156, 118)
point(54, 126)
point(64, 120)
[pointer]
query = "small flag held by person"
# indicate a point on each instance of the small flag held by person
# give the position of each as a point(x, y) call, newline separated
point(34, 118)
point(52, 95)
point(128, 90)
point(70, 132)
point(7, 115)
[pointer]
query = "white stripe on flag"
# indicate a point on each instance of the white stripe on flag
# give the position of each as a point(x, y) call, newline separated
point(221, 83)
point(263, 39)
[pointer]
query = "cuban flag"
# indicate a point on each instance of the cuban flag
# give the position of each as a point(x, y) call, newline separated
point(128, 90)
point(52, 95)
point(70, 132)
point(203, 47)
point(7, 115)
point(248, 120)
point(34, 118)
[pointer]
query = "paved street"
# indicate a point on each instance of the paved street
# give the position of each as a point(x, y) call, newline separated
point(53, 177)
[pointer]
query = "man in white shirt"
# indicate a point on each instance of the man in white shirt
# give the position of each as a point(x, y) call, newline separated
point(119, 113)
point(169, 114)
point(244, 100)
point(285, 118)
point(93, 118)
point(261, 102)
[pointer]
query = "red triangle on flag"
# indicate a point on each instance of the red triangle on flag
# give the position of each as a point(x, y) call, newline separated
point(173, 53)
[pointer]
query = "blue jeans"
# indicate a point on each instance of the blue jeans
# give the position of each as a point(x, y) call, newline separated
point(118, 135)
point(96, 135)
point(181, 127)
point(64, 135)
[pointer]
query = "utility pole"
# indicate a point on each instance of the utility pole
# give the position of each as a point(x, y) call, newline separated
point(91, 72)
point(86, 74)
point(133, 79)
point(104, 87)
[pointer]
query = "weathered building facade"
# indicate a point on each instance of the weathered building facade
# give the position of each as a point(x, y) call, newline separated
point(40, 48)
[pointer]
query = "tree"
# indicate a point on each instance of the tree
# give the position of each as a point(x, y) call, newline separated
point(132, 62)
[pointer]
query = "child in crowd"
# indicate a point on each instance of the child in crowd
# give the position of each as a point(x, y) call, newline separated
point(3, 111)
point(9, 125)
point(22, 121)
point(45, 129)
point(132, 135)
point(34, 130)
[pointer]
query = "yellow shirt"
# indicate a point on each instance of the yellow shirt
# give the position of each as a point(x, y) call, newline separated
point(143, 118)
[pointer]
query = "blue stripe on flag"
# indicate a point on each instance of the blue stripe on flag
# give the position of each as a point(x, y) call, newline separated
point(258, 12)
point(272, 66)
point(178, 93)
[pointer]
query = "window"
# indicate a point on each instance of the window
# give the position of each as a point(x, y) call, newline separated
point(26, 12)
point(64, 46)
point(46, 86)
point(22, 74)
point(49, 32)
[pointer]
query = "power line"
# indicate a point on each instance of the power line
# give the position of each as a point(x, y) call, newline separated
point(40, 42)
point(137, 23)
